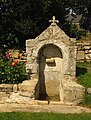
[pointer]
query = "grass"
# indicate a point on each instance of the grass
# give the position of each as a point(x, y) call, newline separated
point(87, 101)
point(84, 74)
point(43, 116)
point(84, 78)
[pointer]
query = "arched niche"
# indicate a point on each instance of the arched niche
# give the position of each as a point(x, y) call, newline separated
point(50, 71)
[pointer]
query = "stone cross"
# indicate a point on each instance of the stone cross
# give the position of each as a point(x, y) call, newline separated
point(54, 21)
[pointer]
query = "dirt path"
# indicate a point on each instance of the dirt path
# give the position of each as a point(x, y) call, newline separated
point(42, 106)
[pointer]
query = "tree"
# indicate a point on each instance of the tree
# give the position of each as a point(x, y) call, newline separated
point(86, 11)
point(7, 34)
point(82, 7)
point(21, 20)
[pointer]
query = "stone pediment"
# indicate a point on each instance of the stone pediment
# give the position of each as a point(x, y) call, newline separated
point(54, 32)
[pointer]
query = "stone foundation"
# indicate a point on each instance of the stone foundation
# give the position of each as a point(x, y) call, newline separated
point(20, 93)
point(29, 90)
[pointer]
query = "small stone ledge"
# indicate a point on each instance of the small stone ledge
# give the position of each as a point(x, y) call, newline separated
point(18, 98)
point(20, 93)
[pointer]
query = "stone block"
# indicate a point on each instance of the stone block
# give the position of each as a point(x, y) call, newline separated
point(6, 88)
point(4, 95)
point(89, 55)
point(50, 60)
point(80, 55)
point(15, 87)
point(89, 90)
point(34, 76)
point(87, 47)
point(89, 51)
point(28, 87)
point(86, 51)
point(86, 56)
point(17, 98)
point(73, 92)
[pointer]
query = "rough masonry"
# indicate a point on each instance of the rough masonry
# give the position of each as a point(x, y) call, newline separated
point(51, 69)
point(51, 60)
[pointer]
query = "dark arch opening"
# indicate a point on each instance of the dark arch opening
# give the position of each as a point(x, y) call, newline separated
point(48, 52)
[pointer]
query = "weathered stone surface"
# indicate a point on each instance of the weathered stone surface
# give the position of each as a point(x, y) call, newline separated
point(17, 98)
point(89, 50)
point(84, 51)
point(80, 55)
point(3, 96)
point(6, 87)
point(28, 87)
point(87, 47)
point(23, 92)
point(73, 92)
point(15, 87)
point(89, 90)
point(53, 59)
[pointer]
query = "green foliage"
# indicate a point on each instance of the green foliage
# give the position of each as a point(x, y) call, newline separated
point(84, 78)
point(9, 74)
point(73, 30)
point(21, 20)
point(43, 116)
point(84, 74)
point(86, 101)
point(82, 7)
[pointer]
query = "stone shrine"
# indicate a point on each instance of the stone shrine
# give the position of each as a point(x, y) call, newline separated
point(51, 62)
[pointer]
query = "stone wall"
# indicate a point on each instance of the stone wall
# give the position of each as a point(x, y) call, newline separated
point(84, 51)
point(20, 93)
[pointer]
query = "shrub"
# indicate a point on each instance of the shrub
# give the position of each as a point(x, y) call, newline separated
point(11, 74)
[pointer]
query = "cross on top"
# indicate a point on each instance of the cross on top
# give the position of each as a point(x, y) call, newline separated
point(54, 21)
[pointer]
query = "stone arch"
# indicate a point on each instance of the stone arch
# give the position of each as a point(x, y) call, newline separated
point(61, 46)
point(52, 44)
point(50, 71)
